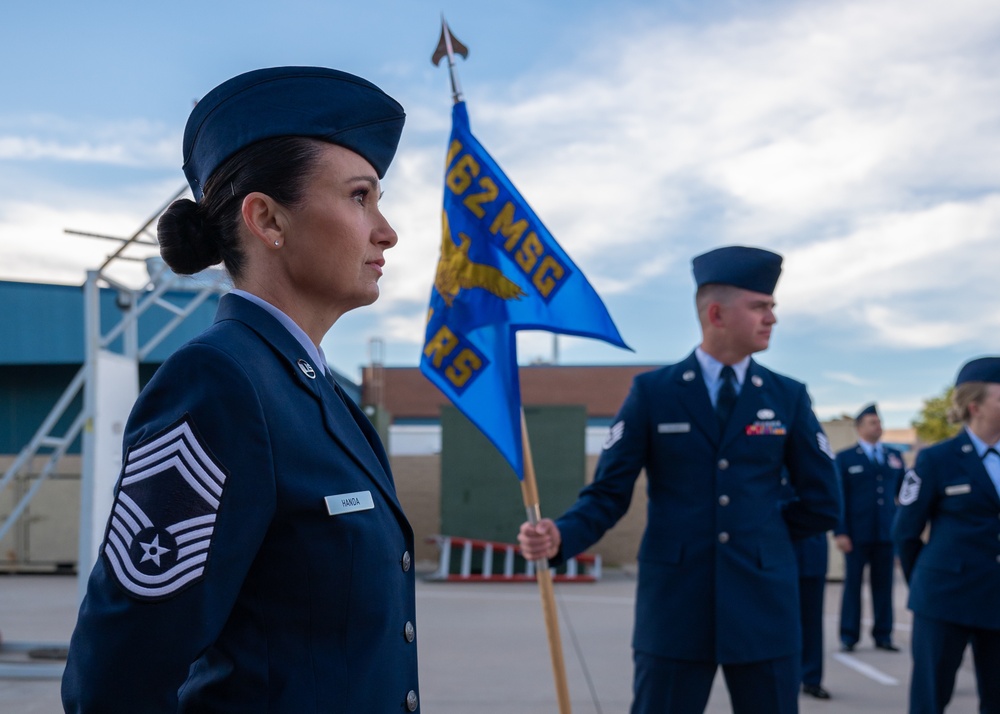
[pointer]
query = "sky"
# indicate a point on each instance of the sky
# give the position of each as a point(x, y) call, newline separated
point(858, 138)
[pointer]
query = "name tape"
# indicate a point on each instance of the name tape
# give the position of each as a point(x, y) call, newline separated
point(349, 502)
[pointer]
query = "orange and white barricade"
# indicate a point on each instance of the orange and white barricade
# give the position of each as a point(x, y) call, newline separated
point(482, 555)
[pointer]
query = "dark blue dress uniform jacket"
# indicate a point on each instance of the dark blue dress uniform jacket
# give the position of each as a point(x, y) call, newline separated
point(955, 577)
point(718, 580)
point(296, 610)
point(812, 555)
point(869, 494)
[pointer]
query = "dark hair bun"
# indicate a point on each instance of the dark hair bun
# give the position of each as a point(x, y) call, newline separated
point(188, 243)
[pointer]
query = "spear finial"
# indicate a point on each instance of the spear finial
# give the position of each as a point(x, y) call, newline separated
point(449, 46)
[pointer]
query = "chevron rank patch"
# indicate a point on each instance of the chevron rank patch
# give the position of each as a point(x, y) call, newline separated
point(909, 491)
point(824, 444)
point(163, 517)
point(615, 435)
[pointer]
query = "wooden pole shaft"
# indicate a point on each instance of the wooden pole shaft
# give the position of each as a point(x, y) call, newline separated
point(529, 491)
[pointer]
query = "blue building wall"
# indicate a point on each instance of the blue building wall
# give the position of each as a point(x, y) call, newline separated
point(43, 324)
point(42, 349)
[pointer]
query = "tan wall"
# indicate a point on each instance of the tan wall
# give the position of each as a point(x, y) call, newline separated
point(46, 534)
point(418, 485)
point(620, 545)
point(418, 482)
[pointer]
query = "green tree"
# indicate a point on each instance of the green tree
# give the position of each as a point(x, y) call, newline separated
point(933, 425)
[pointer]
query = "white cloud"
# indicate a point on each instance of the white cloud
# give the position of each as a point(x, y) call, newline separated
point(132, 143)
point(860, 138)
point(847, 378)
point(899, 411)
point(34, 244)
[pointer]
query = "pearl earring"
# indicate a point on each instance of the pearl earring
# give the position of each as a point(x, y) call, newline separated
point(277, 244)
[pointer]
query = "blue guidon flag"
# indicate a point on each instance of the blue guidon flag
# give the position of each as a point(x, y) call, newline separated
point(163, 517)
point(500, 271)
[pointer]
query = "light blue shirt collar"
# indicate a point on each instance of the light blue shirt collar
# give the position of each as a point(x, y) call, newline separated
point(315, 352)
point(872, 451)
point(711, 370)
point(991, 463)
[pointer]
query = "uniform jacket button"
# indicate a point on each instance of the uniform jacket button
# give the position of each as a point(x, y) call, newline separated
point(723, 464)
point(409, 632)
point(411, 701)
point(406, 561)
point(723, 537)
point(723, 500)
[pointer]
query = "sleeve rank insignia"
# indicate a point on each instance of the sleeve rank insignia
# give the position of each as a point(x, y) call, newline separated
point(163, 516)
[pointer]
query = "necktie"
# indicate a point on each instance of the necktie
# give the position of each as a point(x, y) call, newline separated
point(875, 456)
point(727, 395)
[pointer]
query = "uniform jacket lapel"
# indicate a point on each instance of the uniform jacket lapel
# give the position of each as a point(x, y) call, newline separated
point(694, 397)
point(973, 467)
point(344, 427)
point(748, 402)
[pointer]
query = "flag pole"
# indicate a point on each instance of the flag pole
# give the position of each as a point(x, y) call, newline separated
point(529, 492)
point(448, 46)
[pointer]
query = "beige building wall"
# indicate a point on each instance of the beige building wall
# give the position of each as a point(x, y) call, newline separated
point(418, 485)
point(47, 534)
point(418, 482)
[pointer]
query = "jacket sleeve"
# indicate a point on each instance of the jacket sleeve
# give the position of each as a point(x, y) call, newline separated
point(916, 505)
point(135, 639)
point(810, 463)
point(841, 467)
point(604, 501)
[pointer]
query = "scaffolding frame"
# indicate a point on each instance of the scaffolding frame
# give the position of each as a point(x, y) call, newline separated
point(135, 301)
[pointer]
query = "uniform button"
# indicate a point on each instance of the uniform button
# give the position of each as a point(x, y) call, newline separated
point(411, 701)
point(408, 632)
point(879, 489)
point(723, 537)
point(880, 502)
point(784, 482)
point(723, 500)
point(998, 558)
point(723, 464)
point(406, 561)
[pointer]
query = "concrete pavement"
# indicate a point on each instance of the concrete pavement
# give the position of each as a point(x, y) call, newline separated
point(483, 648)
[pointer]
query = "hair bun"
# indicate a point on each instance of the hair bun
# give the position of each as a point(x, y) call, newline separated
point(188, 242)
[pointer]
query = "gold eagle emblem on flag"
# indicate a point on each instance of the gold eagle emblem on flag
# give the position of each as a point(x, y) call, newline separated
point(456, 271)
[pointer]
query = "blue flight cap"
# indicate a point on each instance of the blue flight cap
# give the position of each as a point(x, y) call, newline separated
point(982, 369)
point(870, 409)
point(290, 101)
point(753, 269)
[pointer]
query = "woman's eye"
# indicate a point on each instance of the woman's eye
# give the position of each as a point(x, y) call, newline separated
point(361, 195)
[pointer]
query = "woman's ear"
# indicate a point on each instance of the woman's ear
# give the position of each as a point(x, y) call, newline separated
point(264, 218)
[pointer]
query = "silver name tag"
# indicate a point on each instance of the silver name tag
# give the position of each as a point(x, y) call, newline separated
point(958, 489)
point(675, 428)
point(349, 502)
point(855, 469)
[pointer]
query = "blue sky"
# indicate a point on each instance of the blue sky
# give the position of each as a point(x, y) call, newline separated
point(860, 139)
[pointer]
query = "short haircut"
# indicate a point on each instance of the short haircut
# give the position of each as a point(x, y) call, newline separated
point(714, 292)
